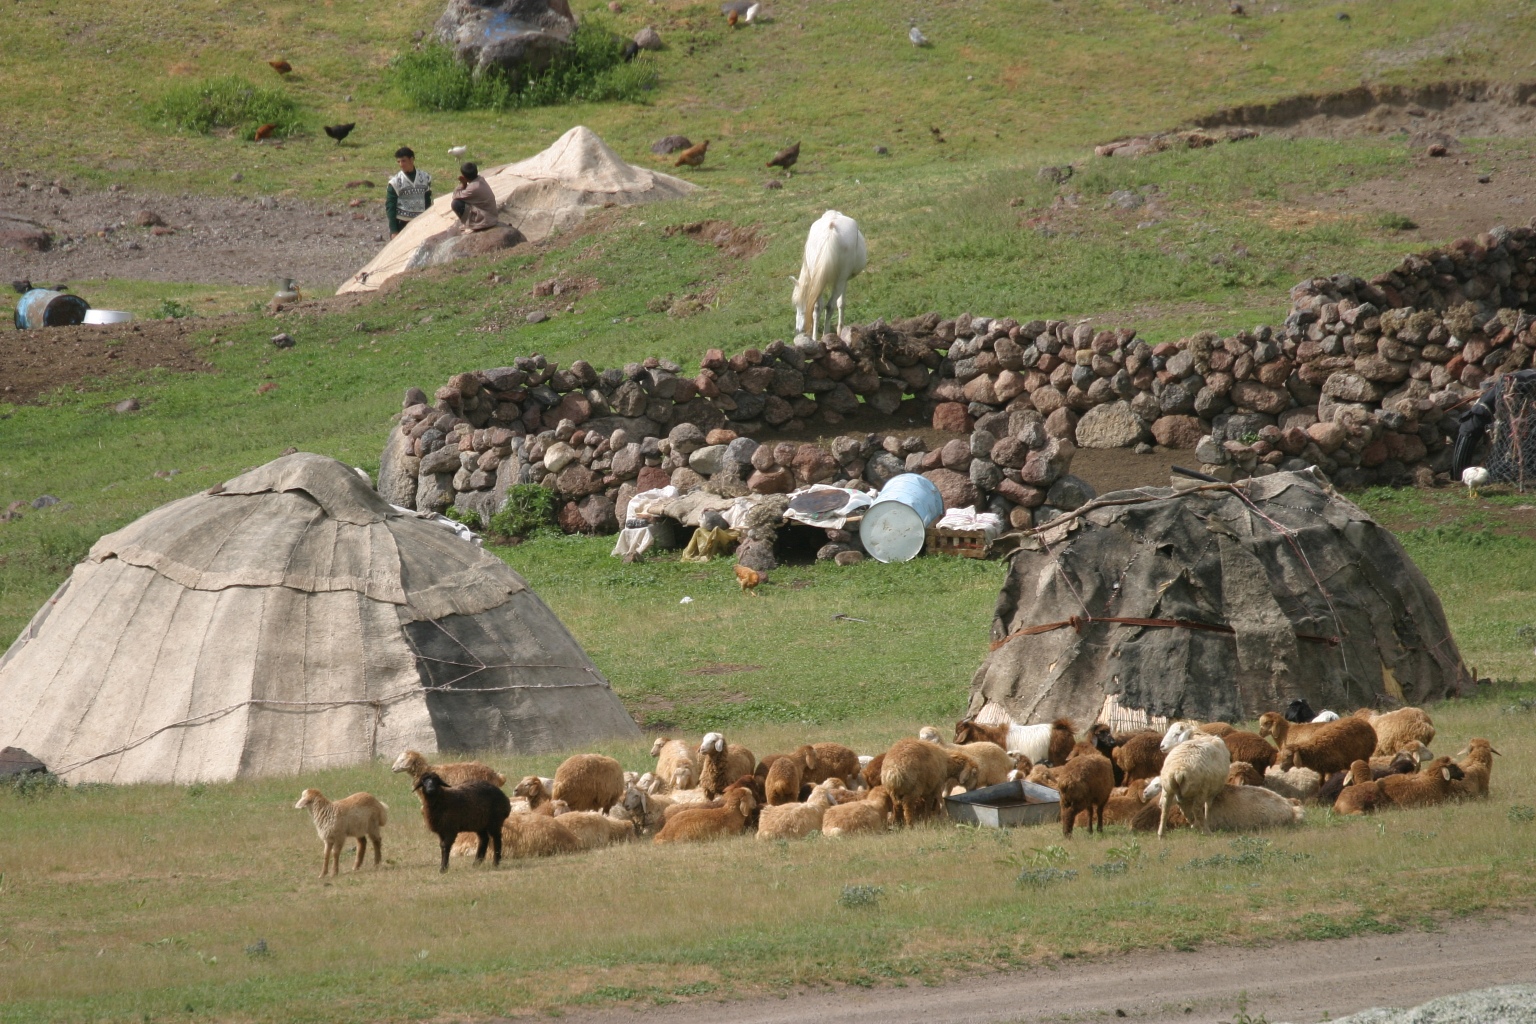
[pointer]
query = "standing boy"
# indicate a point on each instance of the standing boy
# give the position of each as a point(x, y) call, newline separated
point(409, 192)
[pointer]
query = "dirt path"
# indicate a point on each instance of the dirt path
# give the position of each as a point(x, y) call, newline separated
point(1300, 981)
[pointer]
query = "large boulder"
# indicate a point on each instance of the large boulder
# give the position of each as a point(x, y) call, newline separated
point(1114, 425)
point(512, 34)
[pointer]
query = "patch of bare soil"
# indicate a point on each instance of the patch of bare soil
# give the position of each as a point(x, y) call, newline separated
point(1297, 981)
point(1470, 108)
point(252, 240)
point(733, 240)
point(1119, 469)
point(36, 362)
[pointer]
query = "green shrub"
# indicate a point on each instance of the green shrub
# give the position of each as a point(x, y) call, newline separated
point(530, 509)
point(1395, 222)
point(860, 895)
point(170, 309)
point(469, 517)
point(591, 69)
point(226, 103)
point(34, 784)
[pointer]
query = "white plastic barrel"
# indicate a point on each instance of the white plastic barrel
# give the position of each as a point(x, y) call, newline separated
point(895, 526)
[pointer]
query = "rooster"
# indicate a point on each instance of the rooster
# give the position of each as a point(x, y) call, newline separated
point(786, 158)
point(749, 579)
point(339, 131)
point(693, 156)
point(281, 66)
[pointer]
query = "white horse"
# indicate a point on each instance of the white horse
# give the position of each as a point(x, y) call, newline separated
point(834, 252)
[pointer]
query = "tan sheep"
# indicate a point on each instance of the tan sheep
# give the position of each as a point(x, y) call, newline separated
point(1431, 786)
point(1241, 773)
point(1476, 766)
point(833, 761)
point(782, 781)
point(675, 766)
point(1194, 772)
point(1085, 783)
point(589, 782)
point(1396, 729)
point(992, 762)
point(525, 836)
point(359, 816)
point(793, 820)
point(594, 831)
point(1325, 748)
point(1122, 807)
point(1384, 764)
point(1249, 808)
point(871, 814)
point(456, 774)
point(532, 789)
point(917, 773)
point(1361, 795)
point(1221, 729)
point(1293, 783)
point(699, 824)
point(1139, 757)
point(721, 764)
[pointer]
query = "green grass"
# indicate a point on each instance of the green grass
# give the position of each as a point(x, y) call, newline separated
point(231, 103)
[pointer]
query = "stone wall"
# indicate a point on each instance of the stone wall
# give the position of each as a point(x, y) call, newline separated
point(1362, 379)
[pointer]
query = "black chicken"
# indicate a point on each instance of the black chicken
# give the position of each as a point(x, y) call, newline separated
point(339, 131)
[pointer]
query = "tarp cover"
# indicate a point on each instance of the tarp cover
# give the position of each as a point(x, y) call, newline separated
point(1288, 569)
point(287, 620)
point(548, 192)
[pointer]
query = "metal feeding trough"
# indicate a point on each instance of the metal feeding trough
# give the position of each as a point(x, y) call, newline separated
point(1006, 805)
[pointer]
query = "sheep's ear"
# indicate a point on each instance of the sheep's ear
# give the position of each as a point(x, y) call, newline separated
point(1446, 771)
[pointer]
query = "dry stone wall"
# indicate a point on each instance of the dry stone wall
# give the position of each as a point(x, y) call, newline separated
point(1363, 379)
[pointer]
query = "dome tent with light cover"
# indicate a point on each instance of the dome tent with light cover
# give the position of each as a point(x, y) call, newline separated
point(1215, 602)
point(285, 621)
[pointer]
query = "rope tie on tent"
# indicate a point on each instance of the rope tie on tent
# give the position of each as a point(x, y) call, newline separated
point(1078, 622)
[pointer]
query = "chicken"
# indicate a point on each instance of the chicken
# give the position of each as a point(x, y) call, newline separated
point(916, 35)
point(265, 131)
point(786, 158)
point(339, 131)
point(21, 287)
point(631, 50)
point(457, 151)
point(281, 66)
point(732, 18)
point(749, 579)
point(693, 156)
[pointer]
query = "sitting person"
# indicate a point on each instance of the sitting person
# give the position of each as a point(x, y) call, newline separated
point(473, 201)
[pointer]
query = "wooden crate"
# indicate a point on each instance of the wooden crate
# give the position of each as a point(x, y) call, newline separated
point(960, 543)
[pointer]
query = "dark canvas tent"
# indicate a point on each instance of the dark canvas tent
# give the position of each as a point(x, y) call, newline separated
point(1259, 592)
point(286, 621)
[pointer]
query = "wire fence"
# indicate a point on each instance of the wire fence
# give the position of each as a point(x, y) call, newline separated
point(1512, 435)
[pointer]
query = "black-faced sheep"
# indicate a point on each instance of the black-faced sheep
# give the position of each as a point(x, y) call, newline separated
point(721, 764)
point(1326, 748)
point(698, 824)
point(1194, 772)
point(475, 806)
point(675, 766)
point(1430, 786)
point(1299, 711)
point(916, 774)
point(589, 782)
point(414, 765)
point(358, 816)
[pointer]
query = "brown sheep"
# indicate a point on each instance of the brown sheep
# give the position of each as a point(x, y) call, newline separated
point(698, 824)
point(1250, 747)
point(782, 781)
point(992, 762)
point(968, 730)
point(1243, 773)
point(1325, 747)
point(916, 774)
point(589, 782)
point(1431, 786)
point(456, 774)
point(1221, 729)
point(532, 789)
point(594, 831)
point(871, 814)
point(1361, 795)
point(1123, 806)
point(1146, 819)
point(1063, 740)
point(675, 766)
point(1476, 768)
point(358, 816)
point(833, 761)
point(721, 764)
point(1396, 729)
point(871, 772)
point(1140, 757)
point(1084, 783)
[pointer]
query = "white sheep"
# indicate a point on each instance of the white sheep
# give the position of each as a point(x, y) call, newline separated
point(1296, 783)
point(1177, 733)
point(1326, 716)
point(1246, 808)
point(834, 252)
point(1194, 772)
point(359, 816)
point(675, 766)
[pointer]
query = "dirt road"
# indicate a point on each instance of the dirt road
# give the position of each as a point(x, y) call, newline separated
point(1294, 981)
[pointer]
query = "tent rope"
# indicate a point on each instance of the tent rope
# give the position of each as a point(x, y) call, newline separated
point(378, 704)
point(1079, 622)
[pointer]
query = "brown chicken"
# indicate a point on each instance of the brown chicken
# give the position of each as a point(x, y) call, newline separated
point(281, 66)
point(786, 158)
point(265, 131)
point(749, 579)
point(732, 18)
point(693, 156)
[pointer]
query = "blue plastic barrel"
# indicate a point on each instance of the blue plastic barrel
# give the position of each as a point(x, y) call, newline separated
point(894, 527)
point(42, 307)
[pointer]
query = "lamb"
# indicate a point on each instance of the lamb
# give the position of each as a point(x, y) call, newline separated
point(1084, 783)
point(675, 766)
point(794, 820)
point(1396, 729)
point(594, 831)
point(1247, 808)
point(916, 774)
point(1476, 768)
point(1242, 773)
point(833, 761)
point(1150, 817)
point(476, 806)
point(834, 252)
point(532, 789)
point(781, 783)
point(1299, 710)
point(1122, 807)
point(526, 835)
point(1194, 772)
point(1221, 729)
point(1250, 747)
point(456, 774)
point(1295, 783)
point(1431, 786)
point(992, 762)
point(698, 824)
point(589, 782)
point(358, 816)
point(870, 773)
point(1139, 757)
point(722, 764)
point(1326, 748)
point(1361, 795)
point(870, 814)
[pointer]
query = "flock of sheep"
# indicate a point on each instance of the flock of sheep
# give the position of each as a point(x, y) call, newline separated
point(1209, 774)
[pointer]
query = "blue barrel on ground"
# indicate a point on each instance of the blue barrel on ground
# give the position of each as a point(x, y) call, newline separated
point(43, 307)
point(894, 527)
